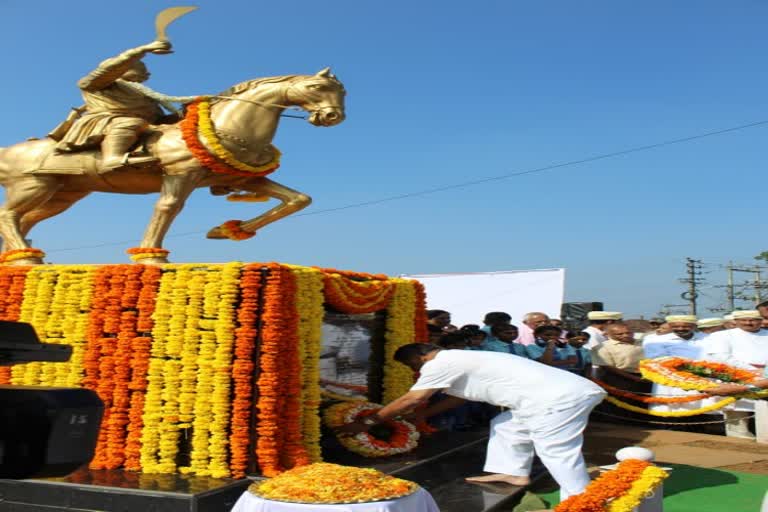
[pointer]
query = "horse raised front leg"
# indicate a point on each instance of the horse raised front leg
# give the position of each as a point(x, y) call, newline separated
point(173, 195)
point(291, 202)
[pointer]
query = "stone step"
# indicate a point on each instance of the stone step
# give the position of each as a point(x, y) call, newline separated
point(444, 477)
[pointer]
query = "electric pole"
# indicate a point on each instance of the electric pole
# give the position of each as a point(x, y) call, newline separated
point(693, 269)
point(731, 294)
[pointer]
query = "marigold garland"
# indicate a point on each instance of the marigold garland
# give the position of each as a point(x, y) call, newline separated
point(12, 281)
point(402, 436)
point(324, 483)
point(20, 254)
point(170, 348)
point(421, 334)
point(243, 369)
point(349, 296)
point(56, 301)
point(618, 490)
point(143, 253)
point(401, 330)
point(197, 123)
point(279, 437)
point(642, 488)
point(309, 297)
point(232, 229)
point(674, 372)
point(222, 362)
point(671, 414)
point(649, 399)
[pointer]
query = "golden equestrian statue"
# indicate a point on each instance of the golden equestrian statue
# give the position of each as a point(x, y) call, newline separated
point(129, 139)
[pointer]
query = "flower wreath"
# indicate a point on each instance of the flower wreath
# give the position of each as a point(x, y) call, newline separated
point(688, 374)
point(389, 437)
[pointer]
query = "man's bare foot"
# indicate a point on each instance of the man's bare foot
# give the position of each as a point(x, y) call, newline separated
point(501, 478)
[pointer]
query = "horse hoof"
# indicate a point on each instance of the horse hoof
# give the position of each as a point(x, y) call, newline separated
point(216, 234)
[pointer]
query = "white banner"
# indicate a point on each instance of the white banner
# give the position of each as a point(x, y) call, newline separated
point(468, 297)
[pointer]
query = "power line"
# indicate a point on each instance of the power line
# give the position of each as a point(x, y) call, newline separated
point(471, 183)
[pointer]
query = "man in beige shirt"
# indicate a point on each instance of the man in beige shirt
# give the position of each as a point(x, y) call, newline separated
point(617, 358)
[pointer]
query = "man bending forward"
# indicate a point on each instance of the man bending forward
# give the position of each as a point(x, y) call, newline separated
point(548, 409)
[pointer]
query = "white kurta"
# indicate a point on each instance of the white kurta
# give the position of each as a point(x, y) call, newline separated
point(549, 409)
point(596, 337)
point(740, 348)
point(672, 345)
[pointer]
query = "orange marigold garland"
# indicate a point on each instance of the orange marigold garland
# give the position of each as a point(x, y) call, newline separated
point(350, 296)
point(102, 368)
point(233, 230)
point(20, 254)
point(606, 487)
point(279, 443)
point(189, 128)
point(243, 369)
point(123, 357)
point(12, 281)
point(649, 399)
point(420, 314)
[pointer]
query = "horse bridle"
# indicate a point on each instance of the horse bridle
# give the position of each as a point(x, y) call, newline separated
point(285, 107)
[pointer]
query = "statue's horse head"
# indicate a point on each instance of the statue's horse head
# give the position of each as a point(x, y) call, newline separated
point(321, 94)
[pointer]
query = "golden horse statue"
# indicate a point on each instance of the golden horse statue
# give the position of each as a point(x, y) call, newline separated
point(240, 124)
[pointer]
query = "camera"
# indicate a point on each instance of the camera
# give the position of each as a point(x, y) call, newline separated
point(44, 432)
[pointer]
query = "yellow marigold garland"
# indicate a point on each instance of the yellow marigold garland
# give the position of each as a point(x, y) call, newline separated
point(398, 378)
point(681, 413)
point(309, 304)
point(222, 362)
point(643, 487)
point(156, 382)
point(56, 300)
point(207, 131)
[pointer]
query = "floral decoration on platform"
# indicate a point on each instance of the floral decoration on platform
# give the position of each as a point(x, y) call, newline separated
point(171, 350)
point(619, 490)
point(324, 483)
point(388, 438)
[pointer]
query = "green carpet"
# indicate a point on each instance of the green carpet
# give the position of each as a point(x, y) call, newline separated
point(692, 489)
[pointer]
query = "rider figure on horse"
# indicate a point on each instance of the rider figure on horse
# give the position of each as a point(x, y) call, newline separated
point(118, 109)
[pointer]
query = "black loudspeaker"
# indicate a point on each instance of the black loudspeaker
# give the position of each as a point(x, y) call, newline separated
point(574, 314)
point(47, 431)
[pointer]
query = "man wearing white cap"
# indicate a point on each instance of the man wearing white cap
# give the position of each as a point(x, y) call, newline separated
point(683, 341)
point(729, 323)
point(710, 325)
point(745, 346)
point(598, 321)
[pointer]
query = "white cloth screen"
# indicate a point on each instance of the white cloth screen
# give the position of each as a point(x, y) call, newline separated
point(468, 297)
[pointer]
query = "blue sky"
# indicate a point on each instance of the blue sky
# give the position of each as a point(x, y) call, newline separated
point(441, 93)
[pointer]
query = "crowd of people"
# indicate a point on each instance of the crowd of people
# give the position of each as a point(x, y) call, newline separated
point(609, 350)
